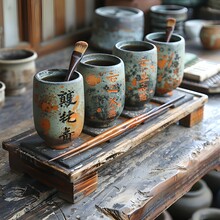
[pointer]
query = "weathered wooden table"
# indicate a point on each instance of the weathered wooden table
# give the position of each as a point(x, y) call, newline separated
point(138, 186)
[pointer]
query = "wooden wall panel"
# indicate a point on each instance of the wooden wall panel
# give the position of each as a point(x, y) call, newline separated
point(34, 23)
point(1, 25)
point(48, 21)
point(80, 13)
point(10, 16)
point(89, 12)
point(59, 17)
point(70, 16)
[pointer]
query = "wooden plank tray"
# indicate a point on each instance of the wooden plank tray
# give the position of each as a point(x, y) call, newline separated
point(77, 177)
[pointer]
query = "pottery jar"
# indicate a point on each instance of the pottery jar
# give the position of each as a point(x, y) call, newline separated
point(104, 84)
point(210, 36)
point(206, 214)
point(140, 59)
point(114, 23)
point(17, 68)
point(58, 107)
point(199, 196)
point(2, 93)
point(170, 61)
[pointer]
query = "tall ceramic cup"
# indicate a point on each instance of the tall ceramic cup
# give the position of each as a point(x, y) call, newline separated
point(104, 84)
point(170, 61)
point(140, 60)
point(58, 107)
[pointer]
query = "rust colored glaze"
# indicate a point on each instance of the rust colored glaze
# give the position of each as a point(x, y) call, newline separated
point(58, 107)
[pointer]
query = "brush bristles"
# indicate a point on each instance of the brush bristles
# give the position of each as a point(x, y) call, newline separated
point(171, 22)
point(81, 47)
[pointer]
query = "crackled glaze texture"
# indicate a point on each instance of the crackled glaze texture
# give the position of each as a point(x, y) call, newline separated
point(170, 61)
point(113, 24)
point(58, 106)
point(140, 60)
point(104, 83)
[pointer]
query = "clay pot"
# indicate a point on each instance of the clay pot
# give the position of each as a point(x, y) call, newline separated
point(17, 68)
point(113, 24)
point(140, 59)
point(170, 58)
point(199, 196)
point(210, 36)
point(58, 107)
point(104, 83)
point(212, 179)
point(164, 216)
point(2, 93)
point(208, 214)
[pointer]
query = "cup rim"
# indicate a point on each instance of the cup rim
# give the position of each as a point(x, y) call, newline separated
point(99, 11)
point(33, 56)
point(62, 71)
point(148, 38)
point(110, 57)
point(121, 44)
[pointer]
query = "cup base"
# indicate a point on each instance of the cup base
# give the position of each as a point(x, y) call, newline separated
point(59, 146)
point(168, 94)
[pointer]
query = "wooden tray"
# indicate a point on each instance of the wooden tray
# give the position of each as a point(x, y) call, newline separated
point(77, 177)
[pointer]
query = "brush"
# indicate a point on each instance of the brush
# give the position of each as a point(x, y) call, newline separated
point(79, 49)
point(170, 25)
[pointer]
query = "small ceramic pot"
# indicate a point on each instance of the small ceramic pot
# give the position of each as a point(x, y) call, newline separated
point(140, 59)
point(104, 83)
point(208, 214)
point(210, 36)
point(113, 24)
point(170, 61)
point(199, 196)
point(17, 68)
point(58, 107)
point(2, 93)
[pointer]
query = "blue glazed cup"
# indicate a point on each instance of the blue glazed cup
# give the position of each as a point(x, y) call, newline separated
point(140, 60)
point(104, 84)
point(170, 64)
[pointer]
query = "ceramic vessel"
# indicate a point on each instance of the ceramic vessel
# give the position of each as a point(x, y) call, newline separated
point(58, 107)
point(140, 59)
point(112, 24)
point(2, 93)
point(104, 83)
point(160, 13)
point(208, 214)
point(193, 27)
point(212, 179)
point(199, 196)
point(210, 36)
point(17, 68)
point(170, 58)
point(165, 215)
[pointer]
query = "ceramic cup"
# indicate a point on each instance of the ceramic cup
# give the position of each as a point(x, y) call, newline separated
point(140, 59)
point(104, 84)
point(170, 64)
point(58, 107)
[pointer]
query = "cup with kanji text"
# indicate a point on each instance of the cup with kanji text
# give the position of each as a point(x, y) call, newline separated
point(104, 86)
point(58, 107)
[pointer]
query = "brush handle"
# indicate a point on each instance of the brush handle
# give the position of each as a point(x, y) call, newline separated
point(169, 32)
point(75, 58)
